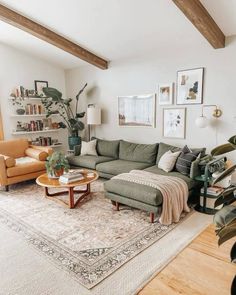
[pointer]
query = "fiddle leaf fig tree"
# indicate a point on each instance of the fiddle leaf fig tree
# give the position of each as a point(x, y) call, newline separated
point(55, 104)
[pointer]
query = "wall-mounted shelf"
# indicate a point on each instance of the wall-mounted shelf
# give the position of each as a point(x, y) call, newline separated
point(28, 98)
point(33, 132)
point(22, 116)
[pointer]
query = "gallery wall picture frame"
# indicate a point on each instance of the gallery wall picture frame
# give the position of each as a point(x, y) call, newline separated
point(39, 86)
point(137, 110)
point(165, 94)
point(174, 123)
point(189, 86)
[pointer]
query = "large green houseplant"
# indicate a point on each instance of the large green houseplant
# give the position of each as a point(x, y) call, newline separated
point(55, 104)
point(225, 218)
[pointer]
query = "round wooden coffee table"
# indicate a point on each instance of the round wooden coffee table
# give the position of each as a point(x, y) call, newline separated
point(47, 183)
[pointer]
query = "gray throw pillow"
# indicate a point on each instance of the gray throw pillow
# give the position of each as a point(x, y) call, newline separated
point(185, 159)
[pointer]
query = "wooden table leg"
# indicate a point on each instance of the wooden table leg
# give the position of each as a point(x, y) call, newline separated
point(46, 191)
point(71, 198)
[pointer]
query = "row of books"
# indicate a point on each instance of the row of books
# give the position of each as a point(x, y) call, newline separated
point(213, 190)
point(34, 109)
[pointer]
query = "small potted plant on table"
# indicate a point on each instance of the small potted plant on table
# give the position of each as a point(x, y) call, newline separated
point(56, 165)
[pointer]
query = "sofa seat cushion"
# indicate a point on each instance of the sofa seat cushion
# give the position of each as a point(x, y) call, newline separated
point(134, 191)
point(120, 166)
point(22, 169)
point(88, 161)
point(190, 182)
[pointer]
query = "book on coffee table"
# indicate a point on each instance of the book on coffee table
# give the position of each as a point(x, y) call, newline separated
point(71, 176)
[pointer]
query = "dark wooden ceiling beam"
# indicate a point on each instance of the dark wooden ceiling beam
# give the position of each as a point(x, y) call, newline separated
point(17, 20)
point(201, 19)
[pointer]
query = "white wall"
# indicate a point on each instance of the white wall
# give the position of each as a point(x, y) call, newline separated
point(143, 76)
point(18, 68)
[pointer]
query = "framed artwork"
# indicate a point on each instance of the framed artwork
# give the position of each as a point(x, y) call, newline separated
point(174, 122)
point(39, 87)
point(137, 110)
point(165, 94)
point(190, 86)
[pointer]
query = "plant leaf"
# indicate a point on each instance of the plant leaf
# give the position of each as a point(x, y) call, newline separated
point(81, 91)
point(225, 197)
point(227, 233)
point(233, 286)
point(80, 115)
point(53, 93)
point(222, 149)
point(233, 253)
point(225, 216)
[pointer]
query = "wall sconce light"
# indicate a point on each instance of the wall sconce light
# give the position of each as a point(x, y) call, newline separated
point(202, 121)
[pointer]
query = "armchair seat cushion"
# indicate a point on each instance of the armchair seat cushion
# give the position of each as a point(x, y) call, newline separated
point(120, 166)
point(87, 161)
point(22, 169)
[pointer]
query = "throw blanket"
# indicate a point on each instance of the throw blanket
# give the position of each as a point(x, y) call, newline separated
point(173, 189)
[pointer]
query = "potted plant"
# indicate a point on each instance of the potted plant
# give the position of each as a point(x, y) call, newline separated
point(55, 104)
point(225, 218)
point(56, 165)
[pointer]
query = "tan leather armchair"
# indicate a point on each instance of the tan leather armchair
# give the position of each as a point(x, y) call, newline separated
point(20, 161)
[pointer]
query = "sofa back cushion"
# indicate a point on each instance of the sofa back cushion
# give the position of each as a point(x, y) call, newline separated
point(144, 153)
point(163, 148)
point(108, 148)
point(14, 148)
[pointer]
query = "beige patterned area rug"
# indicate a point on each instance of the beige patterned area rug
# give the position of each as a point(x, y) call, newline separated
point(89, 242)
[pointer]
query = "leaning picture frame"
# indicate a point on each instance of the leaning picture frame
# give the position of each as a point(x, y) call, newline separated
point(39, 87)
point(189, 86)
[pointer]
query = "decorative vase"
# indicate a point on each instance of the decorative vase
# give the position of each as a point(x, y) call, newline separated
point(20, 111)
point(73, 141)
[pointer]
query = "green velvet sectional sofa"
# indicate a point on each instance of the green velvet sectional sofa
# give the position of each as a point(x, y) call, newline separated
point(119, 156)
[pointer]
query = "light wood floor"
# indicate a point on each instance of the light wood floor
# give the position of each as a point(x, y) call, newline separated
point(201, 268)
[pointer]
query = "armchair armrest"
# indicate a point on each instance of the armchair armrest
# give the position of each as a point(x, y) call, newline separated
point(46, 149)
point(3, 171)
point(9, 161)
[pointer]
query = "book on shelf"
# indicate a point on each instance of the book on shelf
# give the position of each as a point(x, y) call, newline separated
point(213, 190)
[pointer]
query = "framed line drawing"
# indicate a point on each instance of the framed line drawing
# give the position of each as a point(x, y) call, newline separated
point(174, 121)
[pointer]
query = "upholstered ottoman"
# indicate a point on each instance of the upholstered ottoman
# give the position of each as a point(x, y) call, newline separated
point(134, 195)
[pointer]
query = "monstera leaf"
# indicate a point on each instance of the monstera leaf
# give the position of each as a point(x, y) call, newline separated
point(222, 149)
point(225, 221)
point(233, 253)
point(53, 93)
point(232, 141)
point(225, 197)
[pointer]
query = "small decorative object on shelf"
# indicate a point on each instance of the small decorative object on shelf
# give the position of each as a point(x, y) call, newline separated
point(56, 165)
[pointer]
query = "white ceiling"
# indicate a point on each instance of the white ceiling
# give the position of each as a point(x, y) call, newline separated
point(113, 29)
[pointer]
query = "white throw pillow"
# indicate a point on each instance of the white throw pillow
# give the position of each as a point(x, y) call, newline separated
point(89, 148)
point(168, 160)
